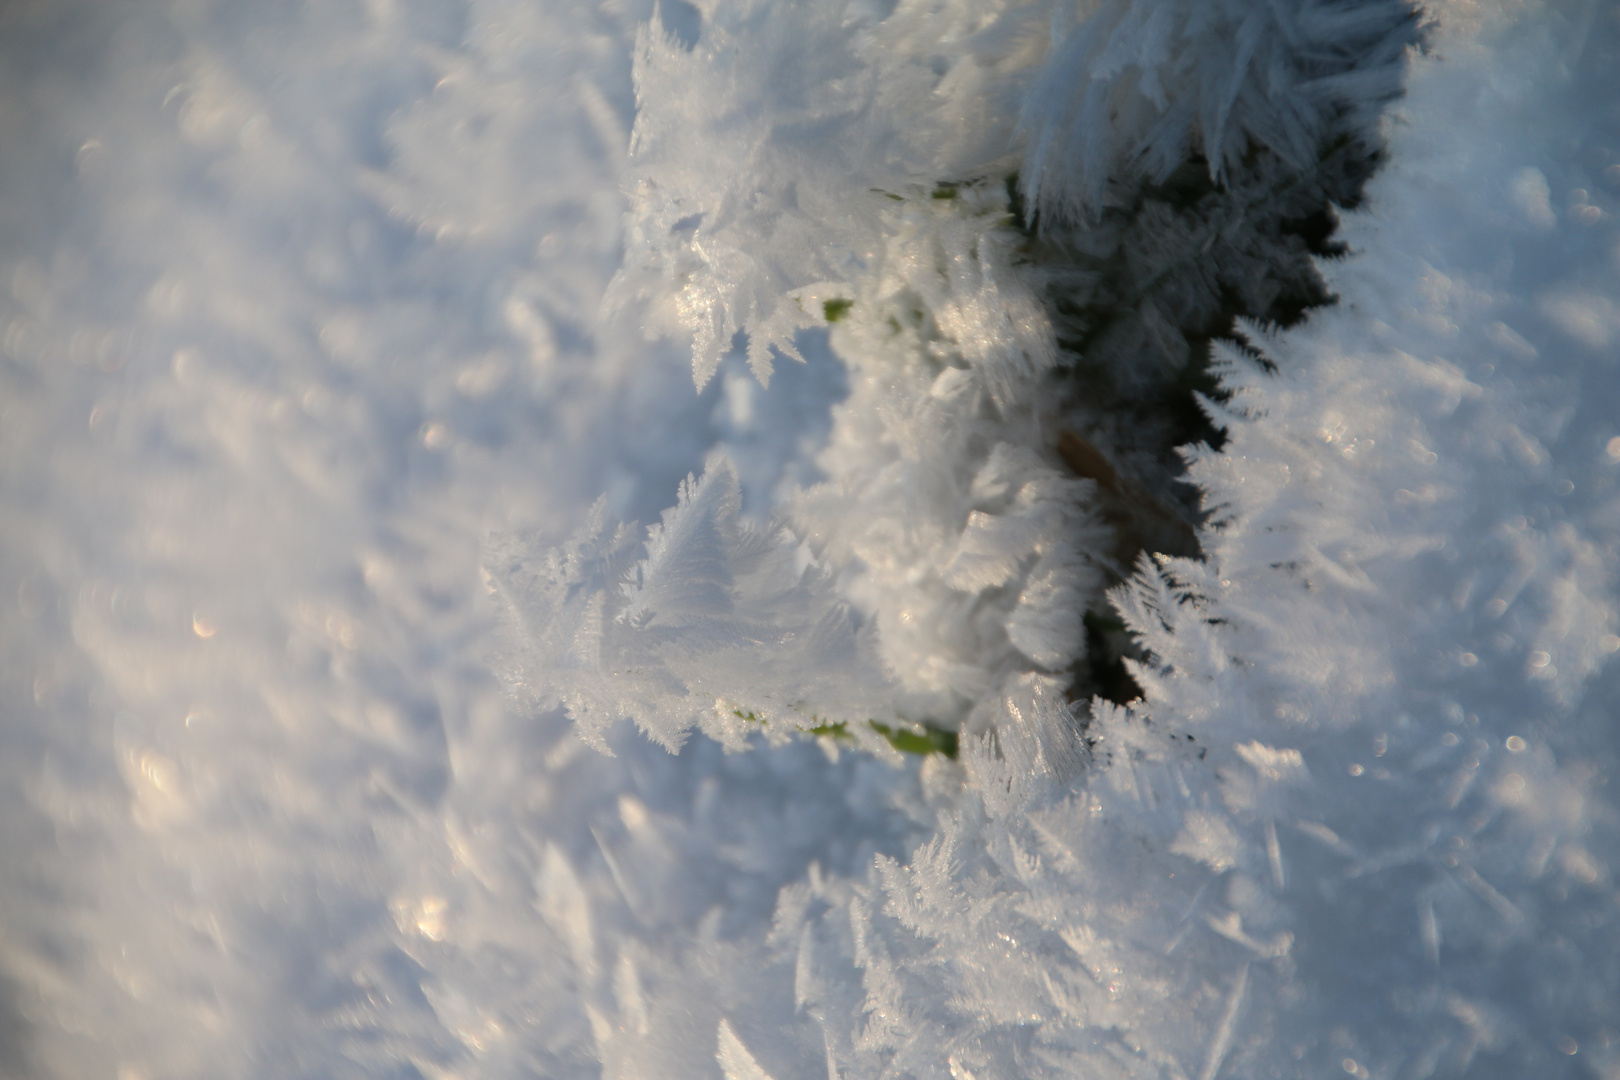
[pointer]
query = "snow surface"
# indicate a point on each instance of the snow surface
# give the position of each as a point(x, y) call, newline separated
point(310, 309)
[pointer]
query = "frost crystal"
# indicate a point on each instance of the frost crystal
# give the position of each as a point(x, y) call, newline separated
point(1312, 840)
point(765, 152)
point(723, 625)
point(1008, 444)
point(1290, 754)
point(1133, 88)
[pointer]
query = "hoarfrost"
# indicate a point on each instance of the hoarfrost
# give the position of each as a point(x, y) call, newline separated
point(723, 625)
point(267, 814)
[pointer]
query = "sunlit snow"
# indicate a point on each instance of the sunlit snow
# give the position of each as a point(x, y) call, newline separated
point(358, 725)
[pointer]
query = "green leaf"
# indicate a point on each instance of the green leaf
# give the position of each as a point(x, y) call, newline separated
point(930, 740)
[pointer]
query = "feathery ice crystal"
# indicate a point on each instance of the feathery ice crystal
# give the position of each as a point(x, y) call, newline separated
point(300, 300)
point(1022, 294)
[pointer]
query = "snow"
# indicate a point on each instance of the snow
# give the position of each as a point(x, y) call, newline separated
point(338, 339)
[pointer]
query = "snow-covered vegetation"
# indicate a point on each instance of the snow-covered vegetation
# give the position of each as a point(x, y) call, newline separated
point(1131, 594)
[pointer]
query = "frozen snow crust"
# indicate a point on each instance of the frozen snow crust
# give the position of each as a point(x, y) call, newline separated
point(274, 361)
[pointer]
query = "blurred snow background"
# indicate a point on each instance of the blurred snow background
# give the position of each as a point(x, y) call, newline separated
point(301, 301)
